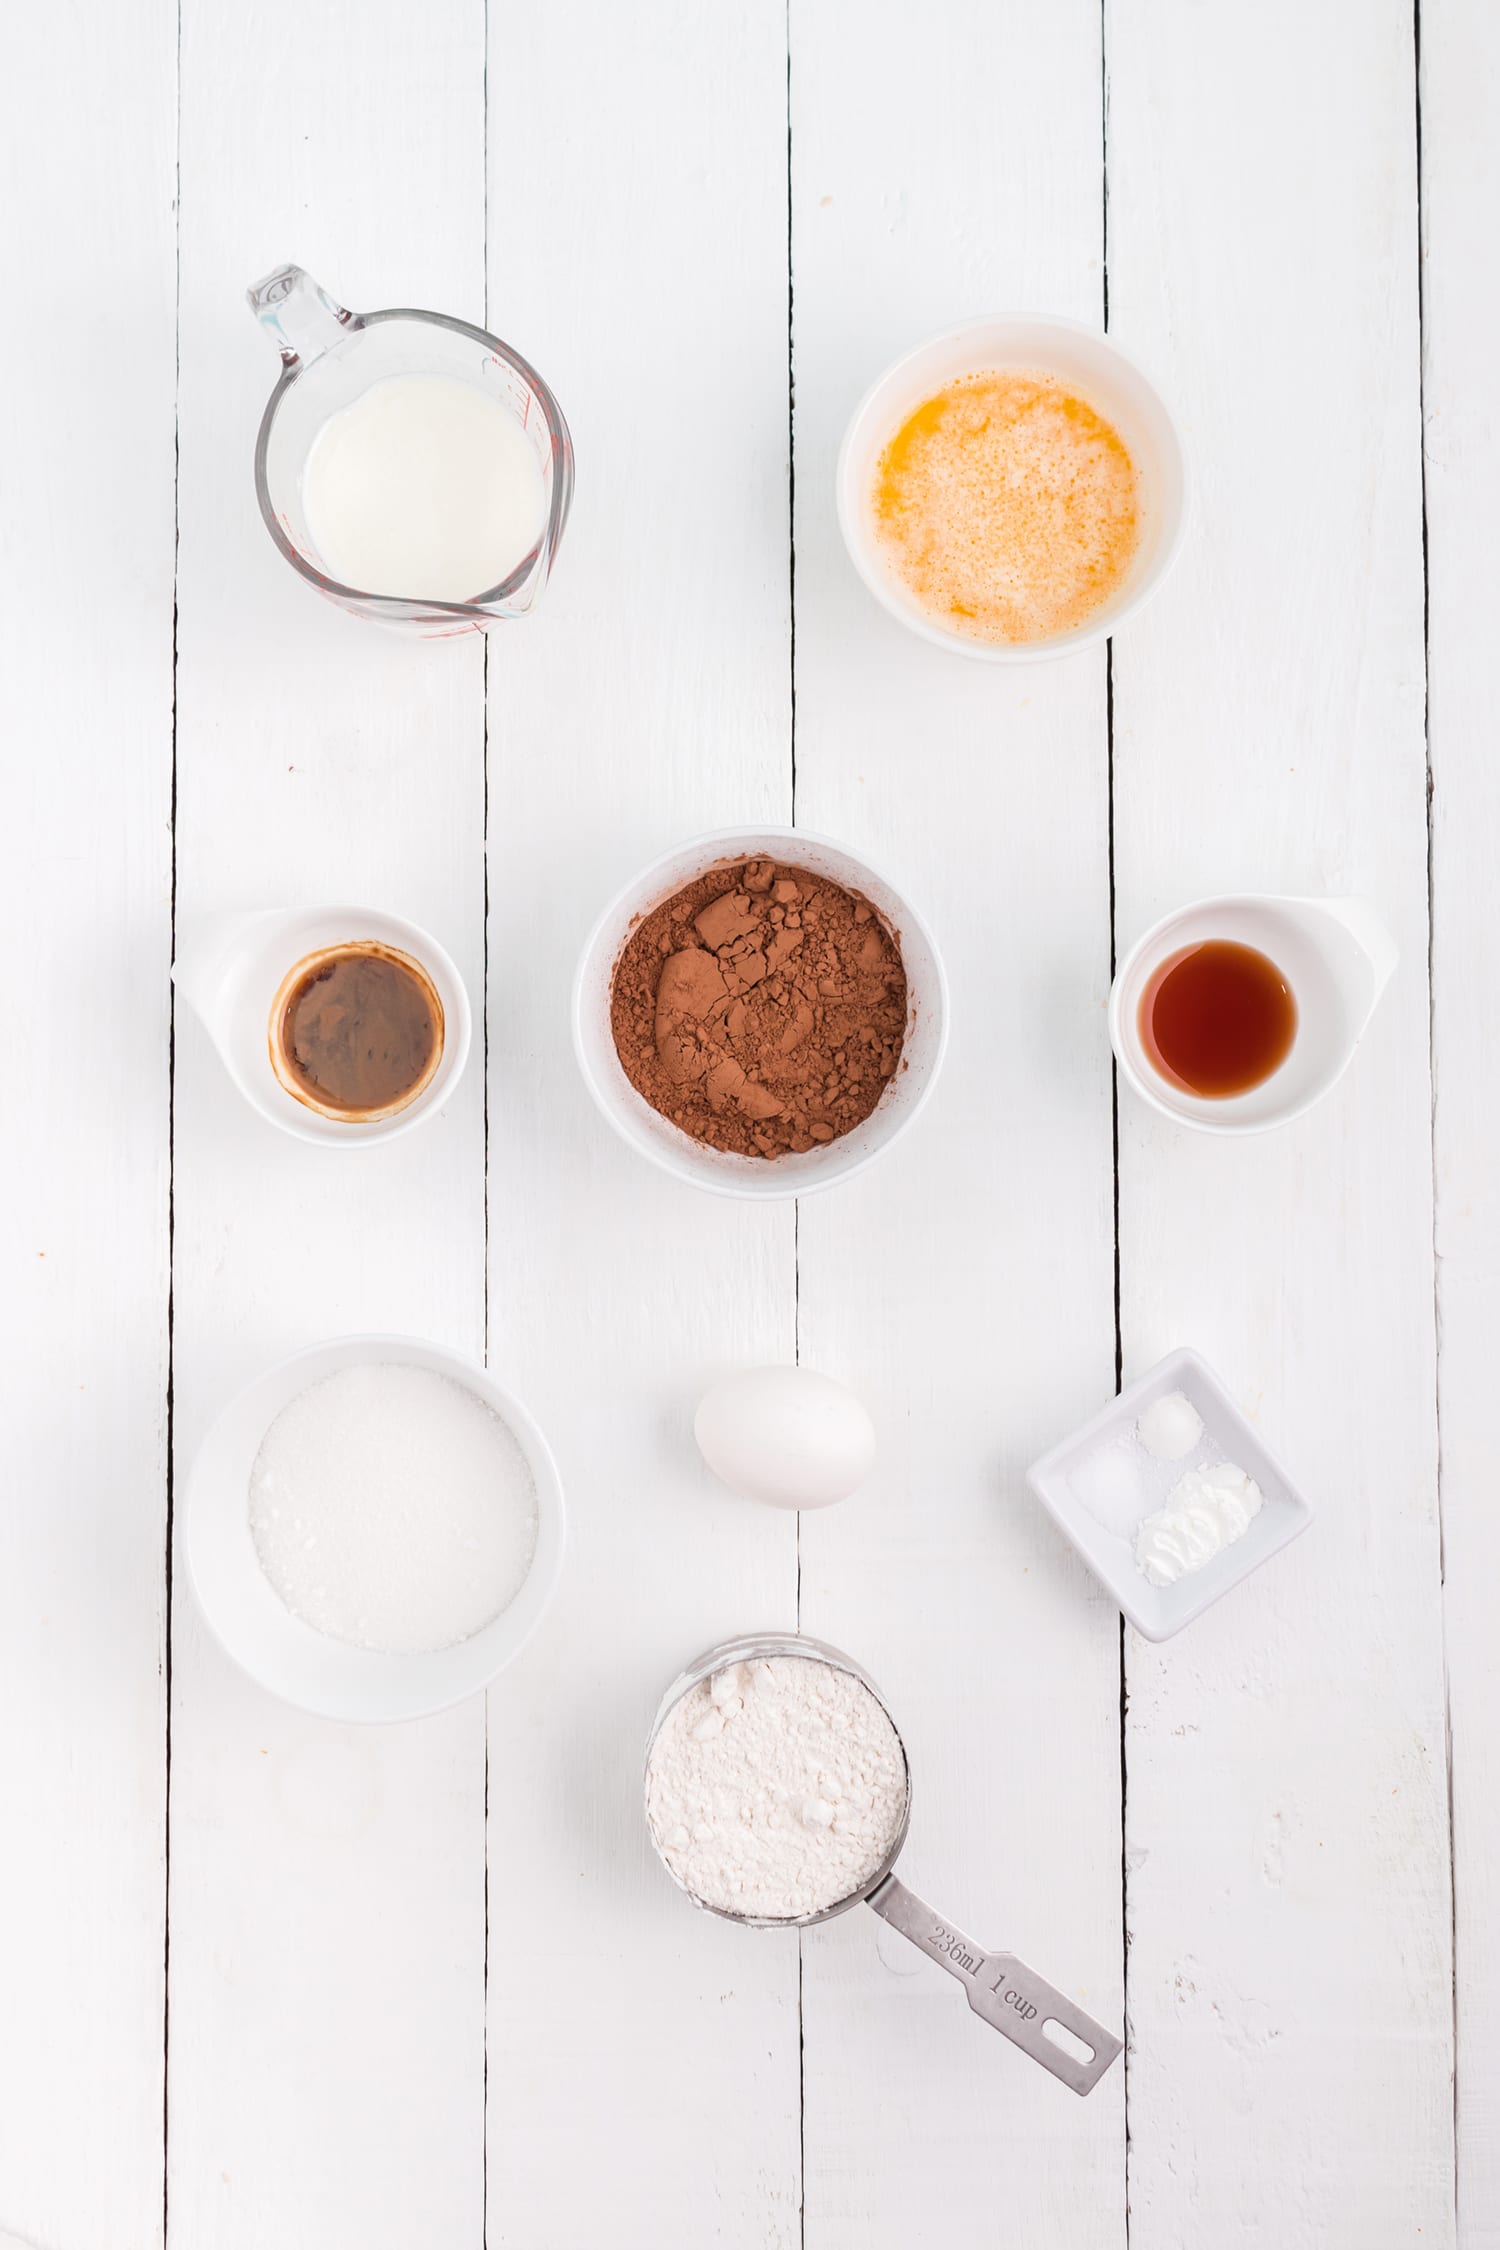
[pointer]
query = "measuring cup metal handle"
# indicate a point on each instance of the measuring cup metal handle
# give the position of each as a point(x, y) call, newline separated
point(1005, 1992)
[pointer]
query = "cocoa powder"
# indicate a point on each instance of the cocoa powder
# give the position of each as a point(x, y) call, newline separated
point(761, 1008)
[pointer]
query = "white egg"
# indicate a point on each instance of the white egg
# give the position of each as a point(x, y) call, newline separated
point(785, 1435)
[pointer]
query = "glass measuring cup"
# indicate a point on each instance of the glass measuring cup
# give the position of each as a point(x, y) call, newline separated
point(1008, 1995)
point(329, 358)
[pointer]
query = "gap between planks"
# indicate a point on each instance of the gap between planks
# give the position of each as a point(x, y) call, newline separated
point(1437, 1324)
point(791, 535)
point(484, 1147)
point(1114, 1141)
point(171, 1434)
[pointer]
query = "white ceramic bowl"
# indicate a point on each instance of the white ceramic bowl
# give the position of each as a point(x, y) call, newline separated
point(666, 1144)
point(1335, 953)
point(302, 1666)
point(1159, 1611)
point(1088, 362)
point(230, 968)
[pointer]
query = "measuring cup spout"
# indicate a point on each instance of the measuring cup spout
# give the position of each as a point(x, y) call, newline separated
point(298, 315)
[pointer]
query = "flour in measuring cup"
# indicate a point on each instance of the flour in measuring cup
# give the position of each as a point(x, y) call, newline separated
point(425, 487)
point(776, 1787)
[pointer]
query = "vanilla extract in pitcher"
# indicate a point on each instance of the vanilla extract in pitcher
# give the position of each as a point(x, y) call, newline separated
point(1217, 1019)
point(356, 1031)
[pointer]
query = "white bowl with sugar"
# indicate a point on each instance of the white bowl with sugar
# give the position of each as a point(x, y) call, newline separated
point(373, 1528)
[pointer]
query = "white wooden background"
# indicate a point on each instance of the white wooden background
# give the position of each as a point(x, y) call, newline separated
point(267, 1984)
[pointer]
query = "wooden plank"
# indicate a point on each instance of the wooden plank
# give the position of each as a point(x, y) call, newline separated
point(1286, 1818)
point(647, 700)
point(87, 121)
point(965, 1287)
point(1460, 196)
point(327, 1909)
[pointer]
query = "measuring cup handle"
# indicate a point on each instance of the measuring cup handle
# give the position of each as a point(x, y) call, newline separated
point(1005, 1992)
point(298, 315)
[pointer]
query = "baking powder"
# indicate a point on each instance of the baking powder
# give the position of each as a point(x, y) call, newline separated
point(1207, 1511)
point(776, 1787)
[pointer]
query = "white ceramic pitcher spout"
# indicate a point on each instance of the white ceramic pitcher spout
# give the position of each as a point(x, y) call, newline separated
point(1337, 956)
point(1366, 966)
point(209, 952)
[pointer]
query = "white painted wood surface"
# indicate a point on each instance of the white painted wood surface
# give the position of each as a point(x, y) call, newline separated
point(1286, 1817)
point(86, 650)
point(428, 1985)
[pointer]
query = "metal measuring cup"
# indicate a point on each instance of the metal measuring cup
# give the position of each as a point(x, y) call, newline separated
point(1004, 1991)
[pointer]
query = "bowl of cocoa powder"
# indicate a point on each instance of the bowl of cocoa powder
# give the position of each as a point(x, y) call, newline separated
point(760, 1012)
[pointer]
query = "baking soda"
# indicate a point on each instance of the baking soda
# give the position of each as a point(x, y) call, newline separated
point(392, 1508)
point(1170, 1427)
point(776, 1787)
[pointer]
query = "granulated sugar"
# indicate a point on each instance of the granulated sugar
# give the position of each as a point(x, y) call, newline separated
point(392, 1508)
point(776, 1787)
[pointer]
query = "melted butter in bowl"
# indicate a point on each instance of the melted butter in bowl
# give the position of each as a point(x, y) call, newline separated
point(1013, 488)
point(1008, 506)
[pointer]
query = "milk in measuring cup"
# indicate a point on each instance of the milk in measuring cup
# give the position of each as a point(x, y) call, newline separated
point(423, 487)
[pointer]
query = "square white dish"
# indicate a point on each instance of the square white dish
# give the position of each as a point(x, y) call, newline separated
point(1160, 1611)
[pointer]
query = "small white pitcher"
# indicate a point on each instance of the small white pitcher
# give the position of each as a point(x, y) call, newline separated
point(1335, 953)
point(229, 969)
